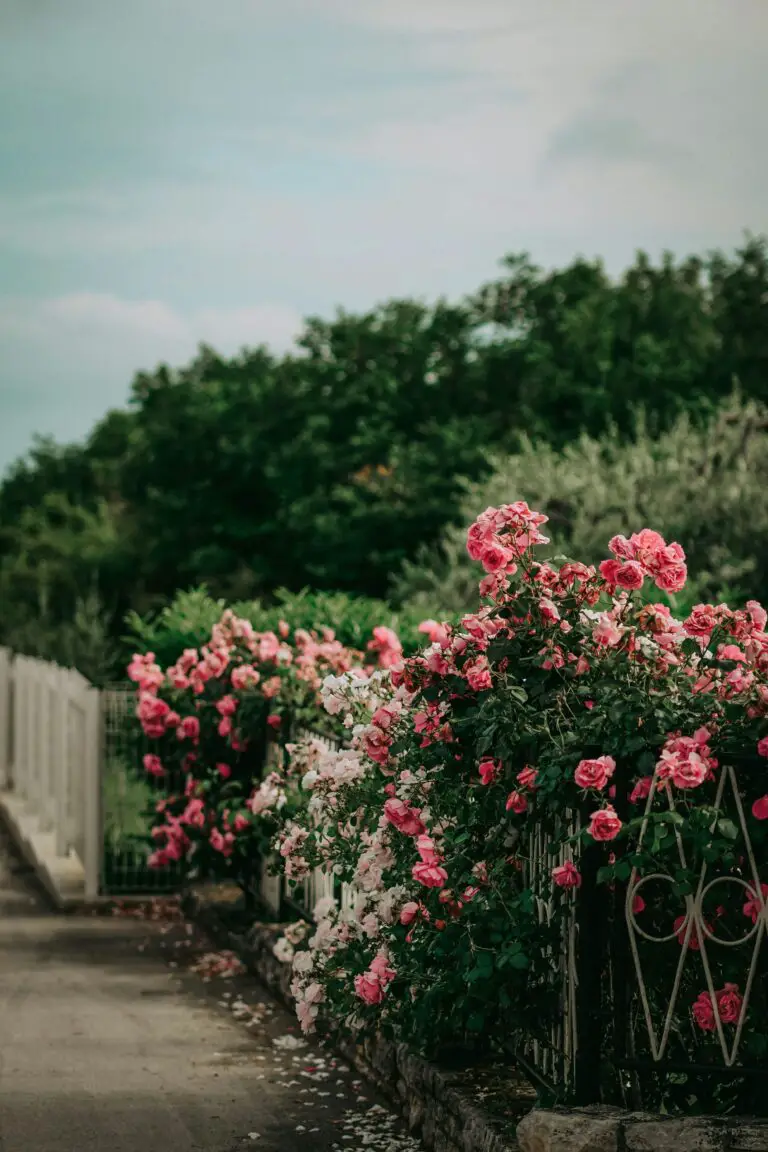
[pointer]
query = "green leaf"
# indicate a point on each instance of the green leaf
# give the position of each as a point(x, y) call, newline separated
point(728, 829)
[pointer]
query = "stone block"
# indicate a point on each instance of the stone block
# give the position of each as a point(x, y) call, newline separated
point(561, 1130)
point(694, 1134)
point(416, 1113)
point(443, 1143)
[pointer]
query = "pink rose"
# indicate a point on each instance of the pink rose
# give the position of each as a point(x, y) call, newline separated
point(409, 912)
point(189, 729)
point(517, 802)
point(271, 688)
point(227, 706)
point(630, 576)
point(671, 578)
point(595, 773)
point(153, 765)
point(489, 770)
point(680, 927)
point(762, 746)
point(622, 548)
point(495, 557)
point(380, 967)
point(437, 633)
point(609, 570)
point(702, 620)
point(194, 813)
point(604, 824)
point(641, 790)
point(527, 778)
point(224, 771)
point(222, 842)
point(729, 1004)
point(757, 614)
point(760, 808)
point(430, 875)
point(244, 677)
point(369, 988)
point(754, 904)
point(607, 632)
point(376, 744)
point(274, 720)
point(478, 537)
point(406, 819)
point(240, 822)
point(704, 1012)
point(567, 875)
point(478, 674)
point(383, 718)
point(425, 846)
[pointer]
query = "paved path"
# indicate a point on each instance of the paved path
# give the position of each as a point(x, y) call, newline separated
point(109, 1043)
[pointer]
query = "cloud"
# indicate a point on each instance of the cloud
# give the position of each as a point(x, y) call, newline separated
point(139, 332)
point(341, 153)
point(66, 360)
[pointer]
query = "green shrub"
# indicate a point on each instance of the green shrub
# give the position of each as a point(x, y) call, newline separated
point(701, 484)
point(187, 621)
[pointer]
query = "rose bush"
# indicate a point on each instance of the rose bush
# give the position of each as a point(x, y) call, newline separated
point(569, 737)
point(212, 717)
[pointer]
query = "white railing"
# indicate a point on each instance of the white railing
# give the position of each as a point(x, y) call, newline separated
point(320, 883)
point(51, 736)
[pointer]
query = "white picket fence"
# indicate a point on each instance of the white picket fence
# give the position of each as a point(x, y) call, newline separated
point(51, 750)
point(54, 730)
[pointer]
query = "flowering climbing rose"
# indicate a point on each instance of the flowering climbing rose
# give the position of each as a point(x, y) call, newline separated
point(569, 732)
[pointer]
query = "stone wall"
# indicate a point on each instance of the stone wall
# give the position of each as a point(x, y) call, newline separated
point(611, 1130)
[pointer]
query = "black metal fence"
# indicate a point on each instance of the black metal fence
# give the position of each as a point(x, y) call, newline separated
point(665, 979)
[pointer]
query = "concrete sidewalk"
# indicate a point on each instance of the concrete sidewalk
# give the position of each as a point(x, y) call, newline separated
point(108, 1043)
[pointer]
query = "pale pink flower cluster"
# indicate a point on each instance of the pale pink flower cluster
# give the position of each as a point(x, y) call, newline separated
point(500, 536)
point(386, 644)
point(269, 796)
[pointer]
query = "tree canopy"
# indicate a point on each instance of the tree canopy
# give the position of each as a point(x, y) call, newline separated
point(333, 466)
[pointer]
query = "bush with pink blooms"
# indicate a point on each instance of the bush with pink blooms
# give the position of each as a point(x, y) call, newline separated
point(570, 754)
point(214, 720)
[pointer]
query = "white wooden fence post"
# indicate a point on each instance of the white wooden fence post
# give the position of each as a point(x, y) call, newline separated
point(19, 783)
point(5, 718)
point(30, 739)
point(93, 757)
point(21, 751)
point(45, 747)
point(61, 772)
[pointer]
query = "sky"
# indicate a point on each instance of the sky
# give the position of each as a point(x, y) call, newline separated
point(183, 171)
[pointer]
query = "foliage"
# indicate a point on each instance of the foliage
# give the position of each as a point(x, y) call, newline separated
point(83, 641)
point(188, 620)
point(127, 804)
point(703, 484)
point(222, 472)
point(571, 708)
